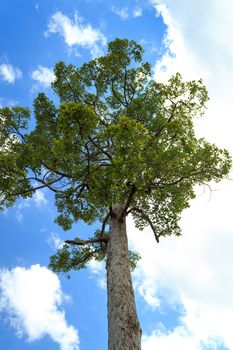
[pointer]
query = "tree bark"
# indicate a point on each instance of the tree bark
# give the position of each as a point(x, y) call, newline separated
point(124, 332)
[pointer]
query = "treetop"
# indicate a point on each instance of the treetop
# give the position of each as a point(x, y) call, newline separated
point(116, 136)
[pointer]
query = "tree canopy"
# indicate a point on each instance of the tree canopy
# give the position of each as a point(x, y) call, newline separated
point(116, 136)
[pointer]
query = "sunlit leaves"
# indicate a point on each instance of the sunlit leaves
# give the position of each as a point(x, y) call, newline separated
point(115, 136)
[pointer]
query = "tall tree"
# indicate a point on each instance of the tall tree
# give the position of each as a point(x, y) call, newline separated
point(117, 143)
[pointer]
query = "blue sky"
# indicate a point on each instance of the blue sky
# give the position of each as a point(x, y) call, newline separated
point(183, 286)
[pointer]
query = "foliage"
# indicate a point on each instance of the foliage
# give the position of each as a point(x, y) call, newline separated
point(73, 257)
point(117, 136)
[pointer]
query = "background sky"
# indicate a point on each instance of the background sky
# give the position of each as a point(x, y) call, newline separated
point(183, 286)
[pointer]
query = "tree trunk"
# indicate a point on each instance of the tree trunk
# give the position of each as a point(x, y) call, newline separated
point(124, 332)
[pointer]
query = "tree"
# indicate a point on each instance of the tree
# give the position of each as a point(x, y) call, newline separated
point(117, 143)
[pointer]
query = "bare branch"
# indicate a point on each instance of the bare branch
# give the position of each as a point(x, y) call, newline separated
point(46, 184)
point(124, 88)
point(88, 241)
point(99, 147)
point(75, 97)
point(87, 256)
point(104, 224)
point(38, 187)
point(146, 217)
point(168, 121)
point(20, 135)
point(58, 172)
point(116, 96)
point(129, 200)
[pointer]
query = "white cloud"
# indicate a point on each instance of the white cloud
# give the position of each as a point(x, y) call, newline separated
point(190, 272)
point(204, 52)
point(97, 268)
point(39, 198)
point(24, 204)
point(9, 74)
point(77, 33)
point(5, 102)
point(43, 75)
point(123, 12)
point(137, 12)
point(174, 46)
point(55, 241)
point(194, 271)
point(19, 216)
point(180, 338)
point(31, 300)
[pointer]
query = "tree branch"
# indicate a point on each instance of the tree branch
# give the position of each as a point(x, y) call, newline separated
point(116, 96)
point(87, 257)
point(146, 217)
point(99, 147)
point(104, 224)
point(168, 121)
point(75, 97)
point(130, 197)
point(38, 187)
point(124, 88)
point(49, 185)
point(58, 172)
point(88, 241)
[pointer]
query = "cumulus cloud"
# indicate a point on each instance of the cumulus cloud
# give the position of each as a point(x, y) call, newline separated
point(201, 53)
point(43, 75)
point(180, 338)
point(75, 32)
point(9, 74)
point(193, 272)
point(31, 300)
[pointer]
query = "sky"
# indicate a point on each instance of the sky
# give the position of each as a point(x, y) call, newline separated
point(183, 286)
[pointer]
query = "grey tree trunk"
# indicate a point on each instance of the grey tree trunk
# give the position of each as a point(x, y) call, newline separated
point(124, 332)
